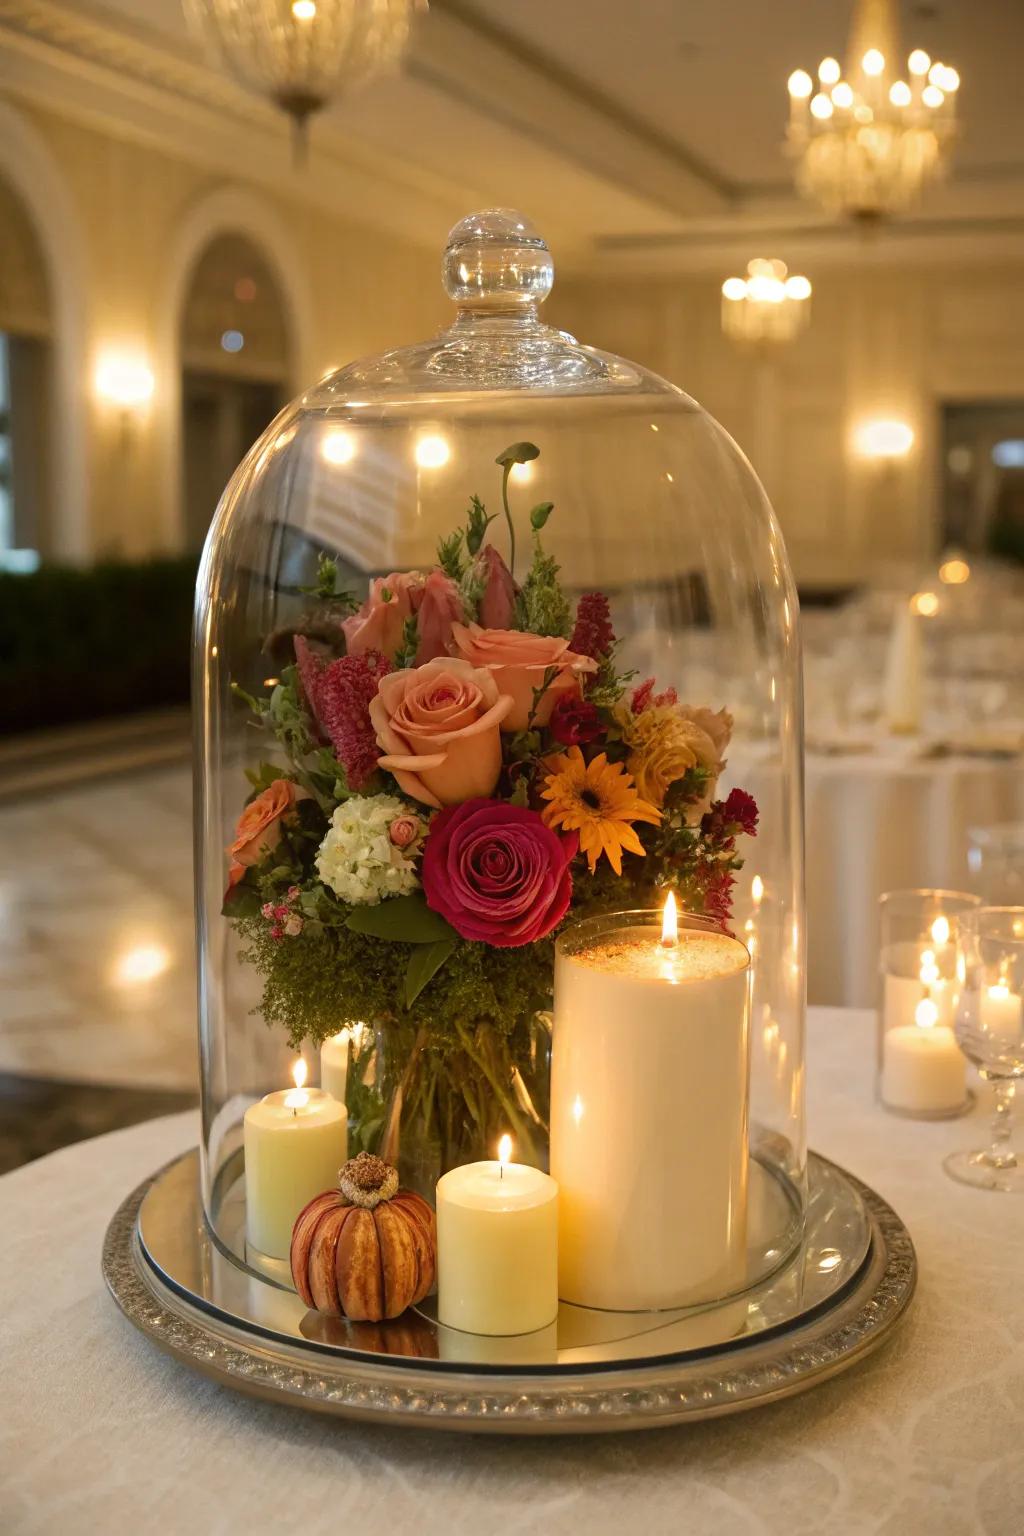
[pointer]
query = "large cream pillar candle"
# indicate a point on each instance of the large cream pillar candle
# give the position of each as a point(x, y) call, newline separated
point(295, 1142)
point(649, 1096)
point(497, 1247)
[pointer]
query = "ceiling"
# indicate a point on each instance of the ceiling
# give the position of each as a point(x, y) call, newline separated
point(649, 133)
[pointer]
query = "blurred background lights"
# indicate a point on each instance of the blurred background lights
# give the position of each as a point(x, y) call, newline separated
point(124, 381)
point(141, 963)
point(521, 472)
point(338, 447)
point(432, 451)
point(829, 71)
point(954, 572)
point(232, 341)
point(883, 439)
point(1009, 454)
point(925, 603)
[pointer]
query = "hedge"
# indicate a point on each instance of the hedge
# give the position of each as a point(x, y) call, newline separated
point(80, 644)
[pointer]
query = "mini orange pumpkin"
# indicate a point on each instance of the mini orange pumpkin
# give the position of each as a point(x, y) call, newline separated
point(366, 1250)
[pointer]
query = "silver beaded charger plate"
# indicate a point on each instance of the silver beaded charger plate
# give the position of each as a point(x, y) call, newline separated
point(835, 1300)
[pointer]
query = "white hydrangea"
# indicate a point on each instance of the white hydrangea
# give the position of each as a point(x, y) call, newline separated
point(357, 858)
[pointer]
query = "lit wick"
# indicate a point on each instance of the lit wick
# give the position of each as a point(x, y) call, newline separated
point(669, 923)
point(297, 1098)
point(504, 1154)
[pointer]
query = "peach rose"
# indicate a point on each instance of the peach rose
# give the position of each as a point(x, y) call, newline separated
point(439, 726)
point(259, 827)
point(379, 624)
point(518, 662)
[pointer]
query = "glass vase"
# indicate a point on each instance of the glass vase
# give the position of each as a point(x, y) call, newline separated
point(428, 1107)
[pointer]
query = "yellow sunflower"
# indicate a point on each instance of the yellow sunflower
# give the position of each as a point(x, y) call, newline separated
point(599, 801)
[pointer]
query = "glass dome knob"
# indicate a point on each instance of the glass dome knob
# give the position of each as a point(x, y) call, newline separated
point(496, 261)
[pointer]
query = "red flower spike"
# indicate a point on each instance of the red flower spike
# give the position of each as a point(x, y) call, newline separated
point(593, 635)
point(339, 697)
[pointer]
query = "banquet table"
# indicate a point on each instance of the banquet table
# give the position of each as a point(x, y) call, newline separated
point(884, 822)
point(101, 1432)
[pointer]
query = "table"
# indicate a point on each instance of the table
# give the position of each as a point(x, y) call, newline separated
point(101, 1433)
point(881, 823)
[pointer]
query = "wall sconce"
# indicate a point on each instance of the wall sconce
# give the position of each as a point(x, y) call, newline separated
point(883, 439)
point(124, 381)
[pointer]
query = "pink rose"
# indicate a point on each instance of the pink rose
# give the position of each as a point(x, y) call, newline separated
point(379, 624)
point(498, 602)
point(259, 827)
point(440, 607)
point(497, 873)
point(439, 726)
point(518, 662)
point(404, 831)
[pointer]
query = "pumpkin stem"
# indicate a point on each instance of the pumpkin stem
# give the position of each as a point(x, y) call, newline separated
point(367, 1181)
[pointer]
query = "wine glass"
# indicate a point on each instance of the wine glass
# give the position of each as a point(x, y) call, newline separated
point(990, 1031)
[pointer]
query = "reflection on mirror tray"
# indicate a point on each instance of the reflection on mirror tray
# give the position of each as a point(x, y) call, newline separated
point(175, 1244)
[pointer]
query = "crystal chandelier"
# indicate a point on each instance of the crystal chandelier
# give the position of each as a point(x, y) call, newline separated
point(869, 137)
point(302, 53)
point(767, 304)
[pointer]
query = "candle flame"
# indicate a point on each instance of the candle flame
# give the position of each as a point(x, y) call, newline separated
point(577, 1109)
point(670, 923)
point(998, 991)
point(297, 1098)
point(940, 930)
point(757, 890)
point(926, 1014)
point(505, 1151)
point(929, 972)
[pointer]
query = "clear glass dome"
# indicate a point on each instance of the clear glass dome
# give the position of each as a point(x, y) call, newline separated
point(652, 504)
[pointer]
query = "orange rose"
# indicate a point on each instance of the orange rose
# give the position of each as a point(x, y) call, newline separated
point(518, 662)
point(259, 827)
point(380, 622)
point(439, 725)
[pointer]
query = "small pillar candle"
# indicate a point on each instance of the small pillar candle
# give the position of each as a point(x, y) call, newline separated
point(923, 1071)
point(295, 1142)
point(649, 1099)
point(497, 1247)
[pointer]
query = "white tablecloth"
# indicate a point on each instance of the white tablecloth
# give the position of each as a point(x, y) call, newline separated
point(102, 1433)
point(882, 823)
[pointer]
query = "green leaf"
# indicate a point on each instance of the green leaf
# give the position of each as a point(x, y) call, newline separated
point(424, 963)
point(403, 919)
point(540, 514)
point(520, 792)
point(242, 900)
point(518, 453)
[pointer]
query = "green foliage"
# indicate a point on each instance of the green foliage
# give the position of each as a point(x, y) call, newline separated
point(540, 514)
point(450, 556)
point(326, 586)
point(542, 607)
point(401, 919)
point(478, 520)
point(406, 653)
point(518, 453)
point(424, 963)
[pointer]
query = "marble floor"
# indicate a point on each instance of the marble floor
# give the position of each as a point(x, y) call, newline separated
point(97, 967)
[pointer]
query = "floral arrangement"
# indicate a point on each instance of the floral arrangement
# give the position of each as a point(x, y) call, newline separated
point(465, 768)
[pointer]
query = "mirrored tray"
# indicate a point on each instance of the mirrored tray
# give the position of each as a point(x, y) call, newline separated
point(834, 1301)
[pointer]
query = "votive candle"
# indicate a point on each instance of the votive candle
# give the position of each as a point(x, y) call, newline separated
point(295, 1142)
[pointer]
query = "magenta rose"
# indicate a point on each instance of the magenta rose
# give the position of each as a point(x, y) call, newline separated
point(496, 872)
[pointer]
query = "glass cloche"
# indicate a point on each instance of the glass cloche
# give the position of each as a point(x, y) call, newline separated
point(494, 634)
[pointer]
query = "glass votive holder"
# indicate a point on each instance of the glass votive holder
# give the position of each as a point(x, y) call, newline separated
point(990, 1029)
point(995, 861)
point(921, 1071)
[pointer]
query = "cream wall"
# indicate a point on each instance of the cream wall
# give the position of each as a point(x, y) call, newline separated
point(133, 222)
point(882, 342)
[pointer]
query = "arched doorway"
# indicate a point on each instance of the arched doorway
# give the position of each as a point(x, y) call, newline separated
point(26, 389)
point(236, 363)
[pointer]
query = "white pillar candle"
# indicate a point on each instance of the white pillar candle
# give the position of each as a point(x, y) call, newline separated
point(914, 971)
point(1001, 1013)
point(334, 1054)
point(295, 1143)
point(904, 667)
point(497, 1247)
point(923, 1070)
point(649, 1096)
